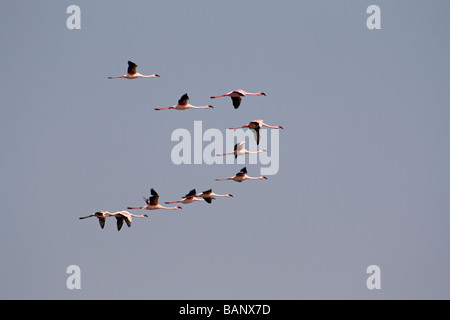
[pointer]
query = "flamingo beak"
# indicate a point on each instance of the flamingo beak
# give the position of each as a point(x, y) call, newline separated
point(263, 94)
point(145, 215)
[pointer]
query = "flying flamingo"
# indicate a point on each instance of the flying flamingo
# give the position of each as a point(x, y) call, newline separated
point(208, 195)
point(101, 215)
point(126, 216)
point(239, 150)
point(236, 96)
point(133, 74)
point(241, 176)
point(152, 203)
point(183, 104)
point(256, 127)
point(189, 198)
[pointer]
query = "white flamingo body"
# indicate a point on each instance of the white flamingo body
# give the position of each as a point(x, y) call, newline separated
point(236, 96)
point(242, 175)
point(208, 195)
point(156, 207)
point(133, 74)
point(189, 198)
point(186, 200)
point(126, 216)
point(256, 127)
point(152, 203)
point(184, 105)
point(239, 150)
point(101, 215)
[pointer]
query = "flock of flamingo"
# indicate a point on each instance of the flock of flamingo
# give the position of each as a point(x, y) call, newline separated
point(205, 196)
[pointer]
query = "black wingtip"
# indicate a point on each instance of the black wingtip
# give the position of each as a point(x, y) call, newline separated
point(191, 193)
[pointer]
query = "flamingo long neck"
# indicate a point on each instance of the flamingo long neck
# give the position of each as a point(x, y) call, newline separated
point(225, 154)
point(168, 208)
point(259, 151)
point(245, 126)
point(255, 178)
point(198, 107)
point(92, 215)
point(222, 95)
point(273, 127)
point(137, 215)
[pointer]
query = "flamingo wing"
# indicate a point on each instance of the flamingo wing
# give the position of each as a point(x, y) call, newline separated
point(132, 67)
point(239, 92)
point(183, 100)
point(119, 222)
point(236, 101)
point(128, 220)
point(208, 199)
point(102, 221)
point(257, 134)
point(256, 128)
point(237, 148)
point(191, 193)
point(154, 198)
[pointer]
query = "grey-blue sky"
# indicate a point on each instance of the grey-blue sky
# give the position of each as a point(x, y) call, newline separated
point(364, 154)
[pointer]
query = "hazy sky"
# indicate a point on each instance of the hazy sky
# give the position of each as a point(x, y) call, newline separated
point(363, 176)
